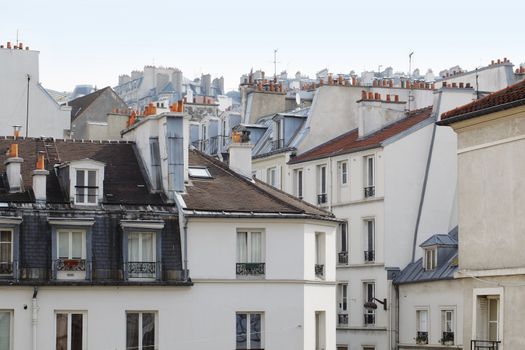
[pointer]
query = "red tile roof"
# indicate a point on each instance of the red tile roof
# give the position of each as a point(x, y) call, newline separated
point(511, 96)
point(350, 141)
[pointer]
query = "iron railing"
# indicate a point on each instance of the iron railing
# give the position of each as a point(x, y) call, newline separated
point(86, 194)
point(321, 198)
point(250, 269)
point(448, 338)
point(6, 268)
point(370, 256)
point(484, 345)
point(370, 319)
point(370, 191)
point(343, 257)
point(277, 144)
point(70, 265)
point(319, 270)
point(342, 319)
point(142, 269)
point(422, 338)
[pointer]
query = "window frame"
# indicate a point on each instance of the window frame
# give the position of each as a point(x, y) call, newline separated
point(370, 244)
point(12, 250)
point(367, 298)
point(343, 173)
point(322, 180)
point(271, 176)
point(70, 243)
point(419, 310)
point(69, 314)
point(430, 264)
point(11, 324)
point(342, 297)
point(86, 188)
point(299, 183)
point(249, 232)
point(154, 243)
point(248, 328)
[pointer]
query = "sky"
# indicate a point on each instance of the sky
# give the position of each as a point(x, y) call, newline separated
point(93, 42)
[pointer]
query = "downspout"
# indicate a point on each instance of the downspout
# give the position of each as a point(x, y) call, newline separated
point(34, 316)
point(397, 316)
point(331, 185)
point(423, 189)
point(183, 225)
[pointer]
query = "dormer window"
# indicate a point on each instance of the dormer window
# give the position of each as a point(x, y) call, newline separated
point(430, 260)
point(86, 187)
point(85, 180)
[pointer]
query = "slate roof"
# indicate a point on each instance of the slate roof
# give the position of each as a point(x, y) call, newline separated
point(511, 96)
point(415, 272)
point(228, 191)
point(440, 240)
point(124, 182)
point(80, 104)
point(350, 142)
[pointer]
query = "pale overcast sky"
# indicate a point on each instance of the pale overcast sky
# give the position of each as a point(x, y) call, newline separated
point(92, 42)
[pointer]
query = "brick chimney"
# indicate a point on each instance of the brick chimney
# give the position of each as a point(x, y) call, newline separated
point(13, 165)
point(39, 179)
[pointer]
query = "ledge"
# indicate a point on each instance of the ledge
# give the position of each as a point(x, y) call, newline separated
point(100, 283)
point(429, 346)
point(362, 328)
point(65, 221)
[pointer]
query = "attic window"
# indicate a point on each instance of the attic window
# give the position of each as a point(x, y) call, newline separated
point(199, 172)
point(86, 187)
point(430, 260)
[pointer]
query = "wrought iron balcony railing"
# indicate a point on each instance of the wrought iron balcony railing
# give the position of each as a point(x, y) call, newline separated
point(370, 256)
point(484, 345)
point(277, 144)
point(6, 268)
point(70, 265)
point(370, 319)
point(250, 269)
point(142, 269)
point(448, 338)
point(422, 338)
point(370, 191)
point(343, 258)
point(319, 270)
point(342, 319)
point(321, 198)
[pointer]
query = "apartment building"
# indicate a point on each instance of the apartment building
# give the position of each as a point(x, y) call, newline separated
point(490, 152)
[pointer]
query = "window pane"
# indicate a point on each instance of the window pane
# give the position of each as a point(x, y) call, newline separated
point(323, 180)
point(300, 183)
point(92, 182)
point(5, 236)
point(242, 247)
point(241, 331)
point(370, 232)
point(132, 331)
point(147, 248)
point(61, 336)
point(76, 331)
point(63, 245)
point(343, 237)
point(76, 249)
point(256, 248)
point(133, 247)
point(5, 330)
point(493, 312)
point(80, 184)
point(148, 331)
point(370, 171)
point(255, 331)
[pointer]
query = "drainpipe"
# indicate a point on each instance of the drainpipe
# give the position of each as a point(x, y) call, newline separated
point(397, 315)
point(183, 225)
point(331, 184)
point(34, 316)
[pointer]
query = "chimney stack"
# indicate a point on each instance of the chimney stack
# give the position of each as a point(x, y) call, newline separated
point(39, 179)
point(13, 165)
point(240, 153)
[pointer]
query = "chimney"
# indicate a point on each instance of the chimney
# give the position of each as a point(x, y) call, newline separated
point(373, 115)
point(240, 154)
point(12, 168)
point(39, 179)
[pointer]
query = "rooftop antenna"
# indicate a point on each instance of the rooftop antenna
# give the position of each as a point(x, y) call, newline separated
point(409, 76)
point(477, 84)
point(17, 37)
point(275, 63)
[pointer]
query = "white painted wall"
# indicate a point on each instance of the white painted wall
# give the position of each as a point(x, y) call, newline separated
point(46, 117)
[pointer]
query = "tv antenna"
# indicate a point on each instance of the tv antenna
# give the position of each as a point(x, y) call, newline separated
point(275, 63)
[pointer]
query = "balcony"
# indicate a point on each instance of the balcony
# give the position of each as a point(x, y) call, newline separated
point(213, 145)
point(342, 258)
point(70, 265)
point(250, 269)
point(370, 191)
point(277, 144)
point(422, 338)
point(342, 319)
point(370, 319)
point(6, 268)
point(141, 269)
point(319, 270)
point(484, 345)
point(322, 198)
point(448, 338)
point(369, 256)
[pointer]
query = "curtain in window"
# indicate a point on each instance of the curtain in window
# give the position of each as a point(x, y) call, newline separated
point(255, 331)
point(5, 330)
point(132, 331)
point(76, 245)
point(256, 247)
point(92, 183)
point(80, 185)
point(5, 251)
point(76, 331)
point(370, 233)
point(63, 245)
point(147, 247)
point(423, 320)
point(242, 247)
point(148, 331)
point(241, 328)
point(61, 336)
point(134, 247)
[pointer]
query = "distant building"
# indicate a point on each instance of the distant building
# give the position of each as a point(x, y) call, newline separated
point(20, 88)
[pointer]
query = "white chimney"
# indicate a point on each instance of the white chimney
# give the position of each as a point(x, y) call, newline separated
point(375, 114)
point(240, 156)
point(39, 180)
point(13, 165)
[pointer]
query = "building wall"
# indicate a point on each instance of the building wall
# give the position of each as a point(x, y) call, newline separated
point(262, 103)
point(46, 117)
point(489, 79)
point(278, 161)
point(433, 296)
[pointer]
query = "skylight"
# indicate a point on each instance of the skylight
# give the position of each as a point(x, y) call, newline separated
point(199, 172)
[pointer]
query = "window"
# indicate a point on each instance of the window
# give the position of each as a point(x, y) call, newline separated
point(71, 331)
point(204, 132)
point(250, 253)
point(422, 326)
point(298, 183)
point(198, 172)
point(71, 254)
point(6, 320)
point(343, 297)
point(271, 176)
point(6, 252)
point(86, 187)
point(321, 181)
point(487, 318)
point(430, 260)
point(369, 177)
point(319, 254)
point(343, 173)
point(343, 243)
point(320, 330)
point(368, 296)
point(369, 240)
point(140, 331)
point(142, 255)
point(447, 326)
point(493, 319)
point(249, 330)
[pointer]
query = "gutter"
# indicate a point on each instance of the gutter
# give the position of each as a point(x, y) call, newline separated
point(34, 316)
point(183, 225)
